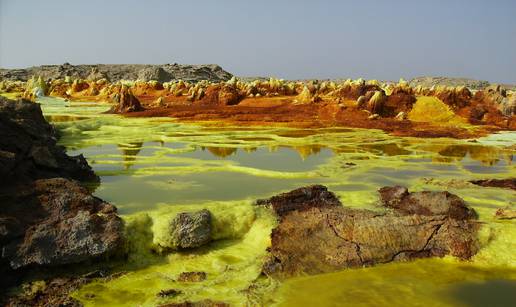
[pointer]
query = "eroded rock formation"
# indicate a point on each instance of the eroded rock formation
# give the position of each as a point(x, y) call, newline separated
point(126, 102)
point(317, 234)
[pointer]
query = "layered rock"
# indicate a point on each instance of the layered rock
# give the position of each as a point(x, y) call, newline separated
point(317, 234)
point(47, 218)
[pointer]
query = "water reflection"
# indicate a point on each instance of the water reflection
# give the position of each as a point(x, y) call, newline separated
point(390, 149)
point(129, 152)
point(221, 152)
point(486, 155)
point(308, 150)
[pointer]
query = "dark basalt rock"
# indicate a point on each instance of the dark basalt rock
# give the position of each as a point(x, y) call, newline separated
point(169, 293)
point(316, 236)
point(509, 183)
point(28, 148)
point(63, 224)
point(46, 217)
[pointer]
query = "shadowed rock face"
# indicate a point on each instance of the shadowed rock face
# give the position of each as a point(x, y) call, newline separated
point(322, 236)
point(117, 72)
point(46, 217)
point(28, 148)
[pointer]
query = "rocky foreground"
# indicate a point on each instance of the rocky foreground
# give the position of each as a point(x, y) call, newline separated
point(47, 217)
point(317, 234)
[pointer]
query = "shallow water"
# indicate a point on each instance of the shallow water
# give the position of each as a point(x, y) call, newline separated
point(151, 169)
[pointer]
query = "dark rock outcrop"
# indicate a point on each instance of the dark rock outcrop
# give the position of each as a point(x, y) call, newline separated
point(46, 217)
point(117, 72)
point(126, 102)
point(28, 148)
point(315, 236)
point(55, 222)
point(509, 183)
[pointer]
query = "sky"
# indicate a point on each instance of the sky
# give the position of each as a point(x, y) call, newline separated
point(384, 40)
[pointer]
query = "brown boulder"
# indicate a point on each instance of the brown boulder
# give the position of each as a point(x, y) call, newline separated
point(223, 95)
point(455, 97)
point(229, 95)
point(323, 236)
point(398, 102)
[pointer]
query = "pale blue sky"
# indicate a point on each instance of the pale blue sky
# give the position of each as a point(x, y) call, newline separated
point(288, 39)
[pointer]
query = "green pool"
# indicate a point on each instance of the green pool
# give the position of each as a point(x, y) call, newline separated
point(151, 169)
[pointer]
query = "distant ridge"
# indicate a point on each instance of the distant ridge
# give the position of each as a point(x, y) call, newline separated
point(116, 72)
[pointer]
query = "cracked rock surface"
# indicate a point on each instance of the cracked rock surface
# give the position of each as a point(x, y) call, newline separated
point(317, 234)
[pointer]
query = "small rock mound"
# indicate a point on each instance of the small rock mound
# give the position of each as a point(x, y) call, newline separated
point(126, 102)
point(299, 199)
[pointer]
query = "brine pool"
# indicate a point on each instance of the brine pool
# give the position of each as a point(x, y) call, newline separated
point(151, 169)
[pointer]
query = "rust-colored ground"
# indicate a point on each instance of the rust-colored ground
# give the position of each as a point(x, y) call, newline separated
point(281, 111)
